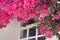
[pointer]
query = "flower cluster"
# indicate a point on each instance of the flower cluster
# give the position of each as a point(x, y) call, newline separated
point(24, 10)
point(46, 31)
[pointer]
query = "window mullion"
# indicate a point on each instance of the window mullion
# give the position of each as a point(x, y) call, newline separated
point(36, 34)
point(27, 33)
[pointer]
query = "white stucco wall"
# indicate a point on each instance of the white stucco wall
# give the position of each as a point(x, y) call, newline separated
point(10, 32)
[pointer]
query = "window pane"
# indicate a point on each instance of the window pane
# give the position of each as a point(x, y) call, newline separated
point(41, 38)
point(32, 32)
point(23, 33)
point(32, 39)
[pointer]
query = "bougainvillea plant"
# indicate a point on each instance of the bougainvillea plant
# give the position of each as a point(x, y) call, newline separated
point(45, 12)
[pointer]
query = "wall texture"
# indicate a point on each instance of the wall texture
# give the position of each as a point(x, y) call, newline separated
point(10, 32)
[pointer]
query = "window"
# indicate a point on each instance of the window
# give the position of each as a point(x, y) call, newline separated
point(30, 33)
point(23, 34)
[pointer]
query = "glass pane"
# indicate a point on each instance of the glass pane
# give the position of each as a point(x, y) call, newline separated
point(23, 33)
point(32, 39)
point(32, 32)
point(41, 38)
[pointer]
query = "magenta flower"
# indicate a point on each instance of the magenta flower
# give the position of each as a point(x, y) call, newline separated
point(48, 21)
point(48, 33)
point(1, 26)
point(10, 7)
point(28, 4)
point(36, 2)
point(25, 17)
point(44, 0)
point(58, 12)
point(58, 27)
point(41, 19)
point(33, 14)
point(4, 17)
point(42, 29)
point(55, 17)
point(44, 11)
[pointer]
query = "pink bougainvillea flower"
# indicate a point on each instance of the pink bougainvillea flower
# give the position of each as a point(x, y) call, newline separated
point(48, 33)
point(36, 2)
point(51, 7)
point(58, 13)
point(19, 3)
point(44, 11)
point(19, 18)
point(33, 14)
point(15, 14)
point(55, 17)
point(4, 18)
point(48, 21)
point(6, 22)
point(1, 26)
point(42, 29)
point(25, 17)
point(10, 7)
point(28, 4)
point(44, 0)
point(2, 6)
point(58, 27)
point(21, 9)
point(41, 19)
point(1, 1)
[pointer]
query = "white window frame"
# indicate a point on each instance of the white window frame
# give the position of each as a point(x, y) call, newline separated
point(27, 27)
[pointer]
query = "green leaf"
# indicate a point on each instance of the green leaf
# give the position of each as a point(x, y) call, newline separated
point(58, 0)
point(53, 25)
point(50, 16)
point(35, 27)
point(53, 10)
point(54, 33)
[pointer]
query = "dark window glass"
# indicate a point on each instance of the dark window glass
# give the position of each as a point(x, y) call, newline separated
point(32, 32)
point(31, 21)
point(41, 38)
point(32, 39)
point(23, 33)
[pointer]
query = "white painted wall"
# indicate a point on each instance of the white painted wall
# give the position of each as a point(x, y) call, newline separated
point(10, 32)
